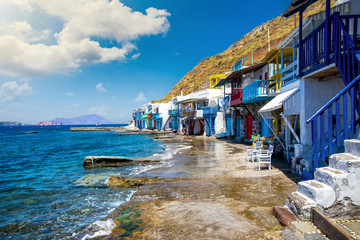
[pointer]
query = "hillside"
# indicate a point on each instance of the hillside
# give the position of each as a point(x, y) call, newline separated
point(255, 42)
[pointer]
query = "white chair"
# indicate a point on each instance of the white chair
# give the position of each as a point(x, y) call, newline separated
point(249, 152)
point(264, 156)
point(256, 150)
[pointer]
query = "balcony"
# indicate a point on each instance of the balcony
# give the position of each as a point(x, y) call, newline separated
point(189, 113)
point(174, 112)
point(236, 97)
point(210, 111)
point(274, 84)
point(256, 92)
point(289, 73)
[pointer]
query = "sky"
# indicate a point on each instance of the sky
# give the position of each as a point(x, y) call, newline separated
point(68, 58)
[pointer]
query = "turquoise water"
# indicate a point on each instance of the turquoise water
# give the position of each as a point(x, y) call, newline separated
point(45, 193)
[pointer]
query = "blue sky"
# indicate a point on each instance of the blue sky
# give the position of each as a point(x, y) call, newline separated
point(72, 58)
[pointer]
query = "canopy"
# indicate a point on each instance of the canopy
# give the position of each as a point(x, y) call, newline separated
point(273, 108)
point(296, 5)
point(244, 70)
point(222, 82)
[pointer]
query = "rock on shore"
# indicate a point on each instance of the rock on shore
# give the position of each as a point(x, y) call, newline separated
point(118, 181)
point(113, 161)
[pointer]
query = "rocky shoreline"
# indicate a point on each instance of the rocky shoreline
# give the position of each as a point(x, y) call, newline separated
point(209, 191)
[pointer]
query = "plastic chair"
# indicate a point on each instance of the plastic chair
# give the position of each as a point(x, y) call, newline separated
point(264, 156)
point(256, 150)
point(249, 152)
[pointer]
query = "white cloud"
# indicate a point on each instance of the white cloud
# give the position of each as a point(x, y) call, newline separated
point(100, 110)
point(11, 91)
point(100, 87)
point(23, 30)
point(24, 53)
point(69, 94)
point(135, 56)
point(140, 97)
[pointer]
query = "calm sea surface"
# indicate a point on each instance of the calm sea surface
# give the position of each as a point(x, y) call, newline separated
point(45, 193)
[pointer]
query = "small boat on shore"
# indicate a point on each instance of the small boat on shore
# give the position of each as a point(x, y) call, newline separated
point(31, 132)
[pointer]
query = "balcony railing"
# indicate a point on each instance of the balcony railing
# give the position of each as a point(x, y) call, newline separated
point(210, 110)
point(174, 112)
point(289, 73)
point(337, 129)
point(189, 113)
point(274, 83)
point(314, 46)
point(236, 96)
point(256, 92)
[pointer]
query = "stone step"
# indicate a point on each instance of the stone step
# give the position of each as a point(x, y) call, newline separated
point(302, 230)
point(320, 193)
point(330, 176)
point(300, 205)
point(352, 146)
point(345, 162)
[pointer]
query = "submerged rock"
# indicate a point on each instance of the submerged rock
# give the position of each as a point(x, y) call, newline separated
point(118, 181)
point(113, 161)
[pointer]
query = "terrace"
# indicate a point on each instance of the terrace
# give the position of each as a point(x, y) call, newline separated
point(255, 92)
point(210, 111)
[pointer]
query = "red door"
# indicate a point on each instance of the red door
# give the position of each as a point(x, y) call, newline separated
point(249, 126)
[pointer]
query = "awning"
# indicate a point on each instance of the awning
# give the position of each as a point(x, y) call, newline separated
point(244, 70)
point(273, 108)
point(222, 82)
point(186, 100)
point(296, 5)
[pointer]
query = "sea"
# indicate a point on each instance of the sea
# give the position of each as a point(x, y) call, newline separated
point(45, 193)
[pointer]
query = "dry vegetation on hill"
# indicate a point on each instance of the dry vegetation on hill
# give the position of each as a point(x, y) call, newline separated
point(253, 43)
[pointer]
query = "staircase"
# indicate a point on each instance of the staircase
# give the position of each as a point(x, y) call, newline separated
point(328, 134)
point(212, 127)
point(335, 189)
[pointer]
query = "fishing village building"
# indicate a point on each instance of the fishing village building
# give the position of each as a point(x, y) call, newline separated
point(305, 94)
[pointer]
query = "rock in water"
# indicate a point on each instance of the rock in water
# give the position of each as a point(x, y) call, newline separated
point(117, 181)
point(113, 161)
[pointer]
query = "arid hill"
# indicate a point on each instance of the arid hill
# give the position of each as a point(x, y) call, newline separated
point(253, 44)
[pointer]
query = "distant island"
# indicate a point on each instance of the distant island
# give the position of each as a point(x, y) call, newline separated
point(91, 119)
point(11, 124)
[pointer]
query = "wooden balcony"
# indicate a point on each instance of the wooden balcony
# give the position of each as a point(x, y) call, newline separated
point(207, 111)
point(256, 92)
point(190, 113)
point(174, 112)
point(236, 97)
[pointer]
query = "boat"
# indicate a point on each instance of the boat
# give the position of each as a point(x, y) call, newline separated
point(31, 132)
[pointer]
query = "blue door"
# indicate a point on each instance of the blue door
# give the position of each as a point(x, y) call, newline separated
point(265, 130)
point(228, 124)
point(238, 127)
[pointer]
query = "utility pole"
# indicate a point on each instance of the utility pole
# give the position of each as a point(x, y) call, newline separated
point(269, 49)
point(252, 57)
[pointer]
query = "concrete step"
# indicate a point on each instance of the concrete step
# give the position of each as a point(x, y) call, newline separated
point(320, 193)
point(330, 176)
point(345, 162)
point(352, 146)
point(300, 205)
